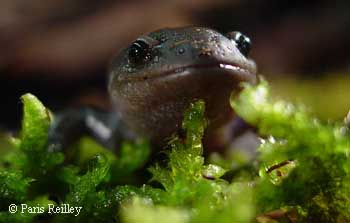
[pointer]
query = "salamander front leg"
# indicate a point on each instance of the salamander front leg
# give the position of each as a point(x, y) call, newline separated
point(72, 124)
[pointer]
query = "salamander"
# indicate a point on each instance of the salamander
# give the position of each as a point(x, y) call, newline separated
point(154, 79)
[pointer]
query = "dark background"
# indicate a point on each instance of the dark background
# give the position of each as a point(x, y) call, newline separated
point(59, 50)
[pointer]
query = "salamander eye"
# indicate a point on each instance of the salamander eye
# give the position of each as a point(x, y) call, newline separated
point(139, 52)
point(243, 42)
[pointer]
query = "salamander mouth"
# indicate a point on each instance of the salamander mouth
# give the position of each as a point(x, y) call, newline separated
point(230, 68)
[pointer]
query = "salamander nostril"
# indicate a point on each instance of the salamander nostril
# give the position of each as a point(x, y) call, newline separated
point(181, 51)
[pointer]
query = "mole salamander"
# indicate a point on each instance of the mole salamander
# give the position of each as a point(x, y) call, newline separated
point(153, 81)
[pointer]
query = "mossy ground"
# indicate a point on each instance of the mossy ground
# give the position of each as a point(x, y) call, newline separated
point(300, 175)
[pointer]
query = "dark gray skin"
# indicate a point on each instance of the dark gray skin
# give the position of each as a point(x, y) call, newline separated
point(155, 79)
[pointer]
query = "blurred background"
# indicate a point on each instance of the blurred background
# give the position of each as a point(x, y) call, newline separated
point(59, 50)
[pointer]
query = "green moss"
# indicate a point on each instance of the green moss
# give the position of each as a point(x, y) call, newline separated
point(302, 167)
point(193, 191)
point(319, 181)
point(32, 156)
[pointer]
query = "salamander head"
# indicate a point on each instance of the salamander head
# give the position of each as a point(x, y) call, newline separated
point(153, 81)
